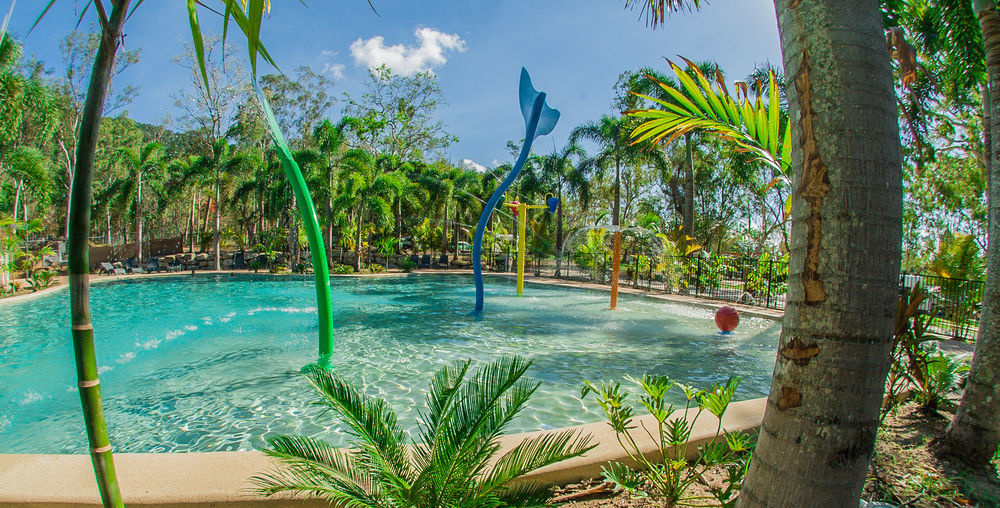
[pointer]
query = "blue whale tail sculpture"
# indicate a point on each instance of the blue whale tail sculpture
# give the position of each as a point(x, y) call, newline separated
point(539, 120)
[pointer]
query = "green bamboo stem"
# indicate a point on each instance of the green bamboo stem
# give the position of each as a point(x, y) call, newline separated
point(79, 257)
point(317, 250)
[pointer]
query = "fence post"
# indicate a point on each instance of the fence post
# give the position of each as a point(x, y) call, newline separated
point(770, 276)
point(649, 275)
point(697, 280)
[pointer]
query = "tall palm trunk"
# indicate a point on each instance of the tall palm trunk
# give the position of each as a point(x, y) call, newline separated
point(444, 229)
point(192, 218)
point(357, 246)
point(216, 263)
point(79, 260)
point(822, 412)
point(559, 228)
point(329, 216)
point(975, 432)
point(616, 221)
point(688, 192)
point(138, 221)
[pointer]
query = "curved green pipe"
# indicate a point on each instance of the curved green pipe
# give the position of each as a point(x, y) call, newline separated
point(317, 249)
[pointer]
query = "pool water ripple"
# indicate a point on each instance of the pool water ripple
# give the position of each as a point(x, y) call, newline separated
point(211, 363)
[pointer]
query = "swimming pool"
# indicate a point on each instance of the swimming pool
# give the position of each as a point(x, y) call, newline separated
point(210, 362)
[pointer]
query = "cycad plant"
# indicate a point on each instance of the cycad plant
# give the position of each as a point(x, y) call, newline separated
point(452, 464)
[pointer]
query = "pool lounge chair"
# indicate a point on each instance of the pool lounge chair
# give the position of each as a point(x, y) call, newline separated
point(109, 269)
point(425, 261)
point(238, 262)
point(175, 266)
point(154, 265)
point(132, 266)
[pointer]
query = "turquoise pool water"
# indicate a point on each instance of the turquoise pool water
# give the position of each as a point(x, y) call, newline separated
point(210, 362)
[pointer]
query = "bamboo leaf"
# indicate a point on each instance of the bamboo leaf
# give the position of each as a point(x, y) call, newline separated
point(199, 43)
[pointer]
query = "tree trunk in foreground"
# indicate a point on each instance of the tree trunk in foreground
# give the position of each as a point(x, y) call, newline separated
point(975, 432)
point(79, 260)
point(822, 412)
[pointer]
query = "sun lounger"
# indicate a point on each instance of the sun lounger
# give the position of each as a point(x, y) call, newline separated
point(425, 261)
point(238, 262)
point(133, 267)
point(109, 269)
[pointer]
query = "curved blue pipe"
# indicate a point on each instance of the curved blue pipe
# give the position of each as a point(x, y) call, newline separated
point(477, 246)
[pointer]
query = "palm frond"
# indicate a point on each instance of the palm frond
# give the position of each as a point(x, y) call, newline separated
point(697, 105)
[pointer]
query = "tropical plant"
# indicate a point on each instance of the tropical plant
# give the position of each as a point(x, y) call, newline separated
point(567, 177)
point(456, 462)
point(407, 265)
point(942, 377)
point(592, 252)
point(668, 472)
point(386, 247)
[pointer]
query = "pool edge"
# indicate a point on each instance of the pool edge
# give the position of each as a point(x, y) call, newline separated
point(220, 479)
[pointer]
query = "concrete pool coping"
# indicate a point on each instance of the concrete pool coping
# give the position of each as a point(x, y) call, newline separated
point(220, 479)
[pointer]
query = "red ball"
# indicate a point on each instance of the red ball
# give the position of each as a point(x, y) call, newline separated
point(727, 318)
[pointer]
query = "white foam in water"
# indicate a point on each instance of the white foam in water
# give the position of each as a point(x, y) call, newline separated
point(286, 310)
point(31, 397)
point(227, 317)
point(127, 357)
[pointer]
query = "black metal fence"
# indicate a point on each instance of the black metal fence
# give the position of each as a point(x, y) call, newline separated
point(752, 281)
point(954, 304)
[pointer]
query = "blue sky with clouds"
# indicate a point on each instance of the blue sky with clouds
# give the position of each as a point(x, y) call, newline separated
point(574, 50)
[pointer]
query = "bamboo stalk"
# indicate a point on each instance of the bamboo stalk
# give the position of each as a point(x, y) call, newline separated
point(79, 260)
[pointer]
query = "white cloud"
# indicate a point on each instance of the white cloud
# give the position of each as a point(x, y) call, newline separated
point(336, 71)
point(407, 60)
point(471, 164)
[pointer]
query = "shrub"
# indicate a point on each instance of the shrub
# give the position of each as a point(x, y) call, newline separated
point(450, 466)
point(343, 269)
point(41, 279)
point(375, 268)
point(407, 265)
point(670, 478)
point(276, 268)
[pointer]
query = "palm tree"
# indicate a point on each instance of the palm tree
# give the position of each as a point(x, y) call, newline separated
point(615, 150)
point(27, 168)
point(974, 433)
point(559, 169)
point(331, 141)
point(819, 427)
point(143, 168)
point(456, 461)
point(449, 186)
point(225, 162)
point(699, 105)
point(364, 194)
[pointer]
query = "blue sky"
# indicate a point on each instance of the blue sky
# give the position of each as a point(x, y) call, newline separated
point(574, 50)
